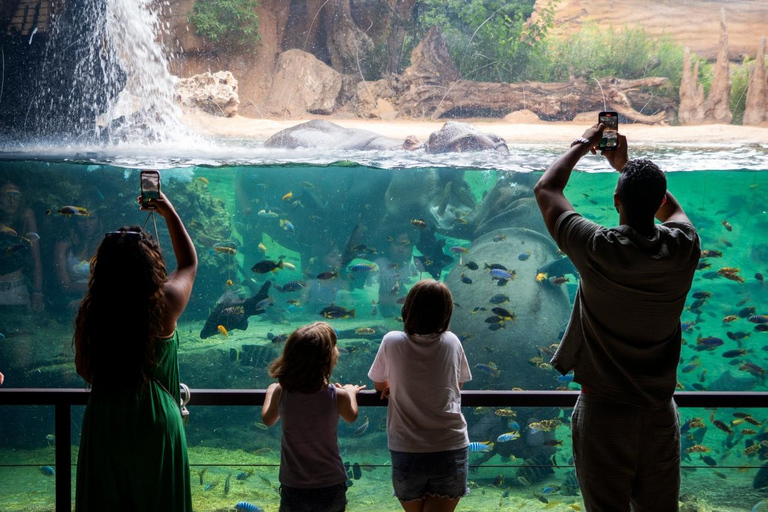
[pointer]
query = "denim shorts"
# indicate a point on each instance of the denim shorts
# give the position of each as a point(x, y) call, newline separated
point(323, 499)
point(441, 474)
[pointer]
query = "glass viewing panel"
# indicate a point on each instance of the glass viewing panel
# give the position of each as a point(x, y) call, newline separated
point(341, 230)
point(344, 245)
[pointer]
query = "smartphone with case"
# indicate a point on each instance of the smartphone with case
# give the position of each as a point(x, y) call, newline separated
point(150, 188)
point(611, 133)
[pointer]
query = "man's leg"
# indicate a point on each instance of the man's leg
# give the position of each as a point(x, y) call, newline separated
point(657, 484)
point(605, 451)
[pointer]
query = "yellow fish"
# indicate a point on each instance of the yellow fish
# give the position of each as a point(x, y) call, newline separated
point(222, 330)
point(541, 277)
point(230, 282)
point(203, 180)
point(288, 196)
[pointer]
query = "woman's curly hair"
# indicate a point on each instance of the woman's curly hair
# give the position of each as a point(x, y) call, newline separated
point(120, 317)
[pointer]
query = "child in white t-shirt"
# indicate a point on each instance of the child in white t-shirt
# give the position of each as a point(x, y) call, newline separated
point(421, 372)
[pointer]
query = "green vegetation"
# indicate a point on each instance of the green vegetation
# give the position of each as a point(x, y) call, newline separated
point(489, 40)
point(232, 24)
point(739, 85)
point(601, 52)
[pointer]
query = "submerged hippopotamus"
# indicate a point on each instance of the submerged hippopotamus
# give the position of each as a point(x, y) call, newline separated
point(461, 137)
point(327, 135)
point(452, 137)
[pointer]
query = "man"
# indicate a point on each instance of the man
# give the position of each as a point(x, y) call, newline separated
point(623, 339)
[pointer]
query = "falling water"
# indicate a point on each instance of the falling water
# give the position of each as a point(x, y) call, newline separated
point(107, 77)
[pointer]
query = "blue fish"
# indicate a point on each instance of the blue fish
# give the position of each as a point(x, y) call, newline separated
point(244, 506)
point(47, 470)
point(513, 425)
point(484, 446)
point(498, 273)
point(568, 377)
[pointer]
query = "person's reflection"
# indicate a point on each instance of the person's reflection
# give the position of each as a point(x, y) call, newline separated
point(72, 257)
point(394, 270)
point(20, 250)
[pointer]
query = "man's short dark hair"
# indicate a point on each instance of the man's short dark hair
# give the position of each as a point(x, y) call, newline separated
point(641, 188)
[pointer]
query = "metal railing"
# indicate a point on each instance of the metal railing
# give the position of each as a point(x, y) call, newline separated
point(64, 399)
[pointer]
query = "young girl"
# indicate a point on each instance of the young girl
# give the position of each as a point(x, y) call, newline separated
point(312, 476)
point(422, 371)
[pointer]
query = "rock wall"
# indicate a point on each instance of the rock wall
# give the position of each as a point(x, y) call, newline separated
point(688, 22)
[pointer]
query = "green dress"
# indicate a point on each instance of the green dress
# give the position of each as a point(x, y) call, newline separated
point(133, 451)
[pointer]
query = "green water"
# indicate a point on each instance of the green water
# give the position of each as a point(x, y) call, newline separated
point(344, 215)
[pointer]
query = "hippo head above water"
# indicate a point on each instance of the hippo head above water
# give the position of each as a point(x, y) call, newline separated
point(461, 137)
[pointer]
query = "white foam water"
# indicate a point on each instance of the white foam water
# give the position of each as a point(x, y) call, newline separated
point(147, 102)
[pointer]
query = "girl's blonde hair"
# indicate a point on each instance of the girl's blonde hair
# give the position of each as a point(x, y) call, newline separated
point(428, 308)
point(307, 359)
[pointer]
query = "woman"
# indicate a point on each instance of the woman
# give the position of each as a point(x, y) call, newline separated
point(133, 452)
point(18, 230)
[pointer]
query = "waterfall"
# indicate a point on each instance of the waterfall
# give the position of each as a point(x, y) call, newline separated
point(106, 77)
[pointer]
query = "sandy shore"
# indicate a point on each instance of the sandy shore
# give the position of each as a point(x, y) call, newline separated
point(544, 132)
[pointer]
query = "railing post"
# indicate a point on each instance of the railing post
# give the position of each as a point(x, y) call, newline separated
point(63, 457)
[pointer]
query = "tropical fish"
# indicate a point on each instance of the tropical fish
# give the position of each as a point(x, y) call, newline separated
point(465, 279)
point(558, 268)
point(267, 214)
point(707, 253)
point(203, 180)
point(365, 330)
point(291, 286)
point(524, 255)
point(418, 223)
point(471, 265)
point(499, 274)
point(244, 506)
point(334, 312)
point(69, 211)
point(226, 484)
point(225, 247)
point(697, 448)
point(266, 266)
point(288, 196)
point(459, 250)
point(231, 312)
point(245, 474)
point(356, 471)
point(262, 247)
point(482, 446)
point(758, 319)
point(362, 428)
point(730, 318)
point(47, 470)
point(503, 313)
point(363, 267)
point(727, 225)
point(499, 298)
point(500, 237)
point(222, 330)
point(490, 368)
point(509, 436)
point(327, 275)
point(286, 225)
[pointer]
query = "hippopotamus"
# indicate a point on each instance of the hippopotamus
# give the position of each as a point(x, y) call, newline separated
point(327, 135)
point(452, 137)
point(461, 137)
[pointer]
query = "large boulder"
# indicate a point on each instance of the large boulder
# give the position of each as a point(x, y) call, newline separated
point(213, 93)
point(302, 84)
point(541, 309)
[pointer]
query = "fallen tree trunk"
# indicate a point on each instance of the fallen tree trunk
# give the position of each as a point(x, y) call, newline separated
point(432, 87)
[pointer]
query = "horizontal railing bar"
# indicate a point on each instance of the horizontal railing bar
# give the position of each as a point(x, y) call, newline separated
point(370, 398)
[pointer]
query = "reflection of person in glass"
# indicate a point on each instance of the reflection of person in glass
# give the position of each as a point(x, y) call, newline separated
point(20, 248)
point(623, 340)
point(73, 254)
point(394, 270)
point(133, 450)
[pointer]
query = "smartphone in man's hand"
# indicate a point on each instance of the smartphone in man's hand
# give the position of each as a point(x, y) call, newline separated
point(611, 132)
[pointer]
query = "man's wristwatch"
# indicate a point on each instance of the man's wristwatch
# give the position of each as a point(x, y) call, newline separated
point(580, 140)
